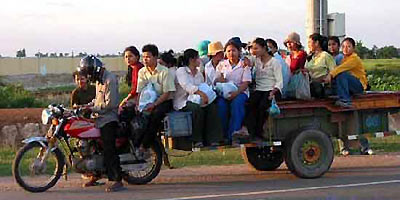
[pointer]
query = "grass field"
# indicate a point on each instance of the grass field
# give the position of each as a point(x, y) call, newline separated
point(392, 65)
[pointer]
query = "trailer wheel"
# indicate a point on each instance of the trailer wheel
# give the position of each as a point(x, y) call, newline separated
point(309, 154)
point(261, 158)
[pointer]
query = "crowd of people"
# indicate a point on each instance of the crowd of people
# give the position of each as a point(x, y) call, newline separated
point(257, 69)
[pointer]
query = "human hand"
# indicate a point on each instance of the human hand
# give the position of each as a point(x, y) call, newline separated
point(220, 79)
point(123, 102)
point(304, 70)
point(204, 98)
point(150, 107)
point(233, 95)
point(272, 94)
point(246, 62)
point(328, 78)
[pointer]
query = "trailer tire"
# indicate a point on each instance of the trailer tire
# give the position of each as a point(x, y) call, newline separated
point(261, 158)
point(309, 154)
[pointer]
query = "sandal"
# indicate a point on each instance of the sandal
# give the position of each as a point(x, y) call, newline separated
point(92, 182)
point(115, 187)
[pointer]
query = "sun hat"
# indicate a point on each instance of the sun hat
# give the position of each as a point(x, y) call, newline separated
point(214, 48)
point(292, 37)
point(238, 41)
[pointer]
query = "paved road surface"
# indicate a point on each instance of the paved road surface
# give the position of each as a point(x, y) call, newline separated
point(353, 178)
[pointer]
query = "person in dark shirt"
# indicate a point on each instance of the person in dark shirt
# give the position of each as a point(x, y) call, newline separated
point(84, 93)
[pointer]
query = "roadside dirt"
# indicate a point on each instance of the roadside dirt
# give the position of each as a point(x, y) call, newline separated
point(25, 115)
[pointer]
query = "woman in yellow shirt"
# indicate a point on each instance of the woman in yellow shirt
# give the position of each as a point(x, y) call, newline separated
point(320, 64)
point(349, 78)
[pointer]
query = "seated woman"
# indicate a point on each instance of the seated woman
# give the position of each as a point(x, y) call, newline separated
point(320, 65)
point(269, 84)
point(348, 78)
point(334, 49)
point(132, 57)
point(297, 58)
point(273, 47)
point(206, 123)
point(232, 109)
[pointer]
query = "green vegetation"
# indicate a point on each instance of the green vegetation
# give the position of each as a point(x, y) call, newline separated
point(386, 52)
point(391, 65)
point(383, 74)
point(15, 96)
point(64, 88)
point(7, 156)
point(386, 144)
point(214, 157)
point(124, 90)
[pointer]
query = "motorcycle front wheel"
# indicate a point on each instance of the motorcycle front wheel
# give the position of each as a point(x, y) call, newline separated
point(33, 173)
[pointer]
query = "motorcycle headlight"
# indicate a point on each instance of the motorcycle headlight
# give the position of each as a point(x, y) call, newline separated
point(45, 116)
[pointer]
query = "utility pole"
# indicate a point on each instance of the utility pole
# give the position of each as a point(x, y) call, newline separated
point(317, 17)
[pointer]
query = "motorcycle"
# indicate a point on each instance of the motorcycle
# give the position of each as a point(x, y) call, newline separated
point(73, 142)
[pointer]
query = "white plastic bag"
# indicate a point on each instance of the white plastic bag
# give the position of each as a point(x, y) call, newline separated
point(224, 89)
point(147, 96)
point(195, 98)
point(208, 91)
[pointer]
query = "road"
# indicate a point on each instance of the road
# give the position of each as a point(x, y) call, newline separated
point(355, 178)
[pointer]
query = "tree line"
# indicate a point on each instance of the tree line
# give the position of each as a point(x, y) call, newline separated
point(22, 54)
point(386, 52)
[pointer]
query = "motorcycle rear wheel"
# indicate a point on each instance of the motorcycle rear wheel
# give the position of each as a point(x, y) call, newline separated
point(146, 176)
point(27, 168)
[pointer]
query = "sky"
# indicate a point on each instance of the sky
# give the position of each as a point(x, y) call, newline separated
point(107, 27)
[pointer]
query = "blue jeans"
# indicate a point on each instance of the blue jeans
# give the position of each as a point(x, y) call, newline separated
point(346, 85)
point(232, 113)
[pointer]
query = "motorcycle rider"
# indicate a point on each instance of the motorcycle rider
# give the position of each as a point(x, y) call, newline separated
point(105, 111)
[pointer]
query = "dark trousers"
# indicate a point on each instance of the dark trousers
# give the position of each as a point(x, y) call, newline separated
point(111, 159)
point(346, 85)
point(155, 118)
point(258, 112)
point(207, 126)
point(317, 89)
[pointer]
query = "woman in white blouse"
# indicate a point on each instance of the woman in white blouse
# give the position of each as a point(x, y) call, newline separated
point(269, 83)
point(206, 123)
point(232, 110)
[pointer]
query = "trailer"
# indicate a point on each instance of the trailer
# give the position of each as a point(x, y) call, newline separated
point(302, 135)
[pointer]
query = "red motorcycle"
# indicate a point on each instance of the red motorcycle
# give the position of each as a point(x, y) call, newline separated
point(72, 142)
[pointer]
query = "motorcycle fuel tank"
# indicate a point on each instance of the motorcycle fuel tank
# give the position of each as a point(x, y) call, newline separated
point(82, 128)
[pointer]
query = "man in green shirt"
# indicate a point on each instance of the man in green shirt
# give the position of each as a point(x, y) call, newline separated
point(84, 93)
point(164, 85)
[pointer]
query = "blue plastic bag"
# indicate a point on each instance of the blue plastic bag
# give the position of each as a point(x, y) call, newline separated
point(299, 87)
point(274, 109)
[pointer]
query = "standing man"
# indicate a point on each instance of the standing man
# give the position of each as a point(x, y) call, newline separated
point(106, 113)
point(164, 85)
